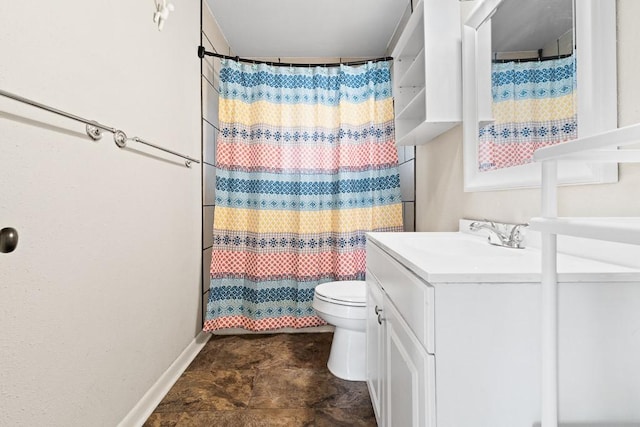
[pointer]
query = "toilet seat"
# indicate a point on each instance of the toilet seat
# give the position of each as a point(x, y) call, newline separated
point(351, 293)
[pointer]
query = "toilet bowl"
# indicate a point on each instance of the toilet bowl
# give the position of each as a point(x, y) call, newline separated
point(343, 305)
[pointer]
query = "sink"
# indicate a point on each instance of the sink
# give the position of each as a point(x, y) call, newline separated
point(459, 257)
point(458, 246)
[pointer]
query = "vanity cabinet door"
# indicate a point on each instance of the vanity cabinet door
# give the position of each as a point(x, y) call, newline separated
point(410, 373)
point(375, 342)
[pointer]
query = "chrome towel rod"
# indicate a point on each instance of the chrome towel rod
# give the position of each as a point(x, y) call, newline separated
point(94, 129)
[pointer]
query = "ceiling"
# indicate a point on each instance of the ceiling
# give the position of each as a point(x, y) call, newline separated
point(529, 25)
point(308, 28)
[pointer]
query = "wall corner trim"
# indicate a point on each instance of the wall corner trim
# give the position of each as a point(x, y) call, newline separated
point(145, 406)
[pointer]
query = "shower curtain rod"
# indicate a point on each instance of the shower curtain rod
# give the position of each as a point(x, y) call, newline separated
point(94, 129)
point(536, 59)
point(202, 52)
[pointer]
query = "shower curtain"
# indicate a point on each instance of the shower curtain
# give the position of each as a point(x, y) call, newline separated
point(534, 105)
point(306, 166)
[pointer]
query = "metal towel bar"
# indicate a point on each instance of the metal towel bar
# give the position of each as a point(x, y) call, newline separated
point(94, 129)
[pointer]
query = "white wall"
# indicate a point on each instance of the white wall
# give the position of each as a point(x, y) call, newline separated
point(102, 293)
point(441, 201)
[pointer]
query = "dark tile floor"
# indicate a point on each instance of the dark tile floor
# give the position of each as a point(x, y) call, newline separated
point(264, 380)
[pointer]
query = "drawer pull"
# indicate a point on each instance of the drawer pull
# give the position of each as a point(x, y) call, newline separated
point(380, 319)
point(377, 310)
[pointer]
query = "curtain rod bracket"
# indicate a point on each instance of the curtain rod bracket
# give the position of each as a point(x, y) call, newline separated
point(120, 138)
point(93, 132)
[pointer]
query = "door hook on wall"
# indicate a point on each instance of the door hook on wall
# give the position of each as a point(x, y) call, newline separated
point(162, 12)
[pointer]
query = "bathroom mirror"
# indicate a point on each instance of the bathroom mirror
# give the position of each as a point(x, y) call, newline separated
point(561, 34)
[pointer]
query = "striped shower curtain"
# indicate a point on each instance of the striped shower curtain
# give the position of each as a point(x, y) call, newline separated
point(534, 105)
point(306, 166)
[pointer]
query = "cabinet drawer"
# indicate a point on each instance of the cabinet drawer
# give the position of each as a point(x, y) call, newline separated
point(412, 297)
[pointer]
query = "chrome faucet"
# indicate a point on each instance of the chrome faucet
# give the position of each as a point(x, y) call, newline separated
point(510, 239)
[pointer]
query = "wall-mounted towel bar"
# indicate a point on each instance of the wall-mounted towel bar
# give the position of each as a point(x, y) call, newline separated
point(94, 129)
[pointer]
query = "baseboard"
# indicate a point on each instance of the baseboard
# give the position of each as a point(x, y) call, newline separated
point(143, 409)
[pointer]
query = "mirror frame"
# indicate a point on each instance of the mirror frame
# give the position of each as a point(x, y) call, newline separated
point(595, 38)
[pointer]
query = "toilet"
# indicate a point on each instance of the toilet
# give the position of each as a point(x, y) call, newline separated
point(343, 305)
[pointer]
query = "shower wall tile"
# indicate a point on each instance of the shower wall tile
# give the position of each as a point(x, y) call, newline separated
point(209, 102)
point(213, 40)
point(407, 181)
point(406, 153)
point(400, 154)
point(409, 152)
point(207, 63)
point(206, 268)
point(406, 160)
point(408, 216)
point(211, 72)
point(211, 65)
point(207, 226)
point(217, 65)
point(209, 184)
point(209, 135)
point(203, 308)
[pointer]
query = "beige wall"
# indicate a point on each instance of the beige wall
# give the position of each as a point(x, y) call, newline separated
point(102, 293)
point(441, 201)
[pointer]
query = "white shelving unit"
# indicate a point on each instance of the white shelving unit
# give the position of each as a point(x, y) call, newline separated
point(427, 73)
point(602, 148)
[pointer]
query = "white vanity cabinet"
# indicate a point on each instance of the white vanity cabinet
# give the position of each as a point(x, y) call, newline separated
point(453, 336)
point(400, 370)
point(375, 342)
point(410, 400)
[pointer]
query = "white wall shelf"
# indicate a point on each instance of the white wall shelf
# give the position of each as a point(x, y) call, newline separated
point(415, 107)
point(427, 73)
point(414, 76)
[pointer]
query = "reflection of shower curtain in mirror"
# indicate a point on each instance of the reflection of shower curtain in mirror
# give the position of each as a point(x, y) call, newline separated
point(306, 165)
point(534, 105)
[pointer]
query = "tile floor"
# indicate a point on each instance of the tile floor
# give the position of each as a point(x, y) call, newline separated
point(264, 380)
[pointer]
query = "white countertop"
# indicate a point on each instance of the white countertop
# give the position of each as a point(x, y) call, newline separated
point(464, 258)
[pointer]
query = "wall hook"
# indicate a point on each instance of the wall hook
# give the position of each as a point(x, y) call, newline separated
point(162, 12)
